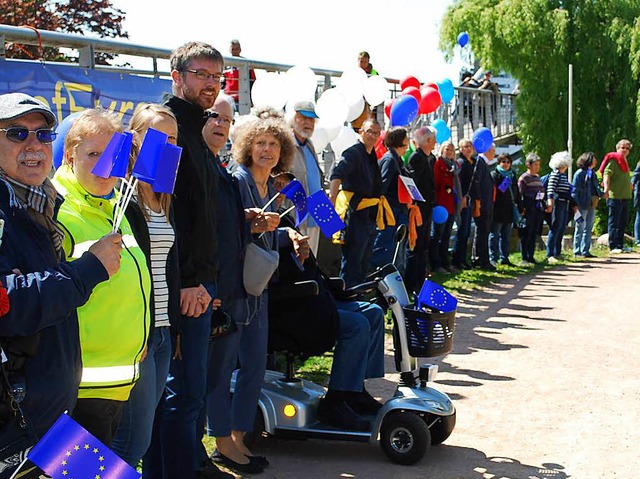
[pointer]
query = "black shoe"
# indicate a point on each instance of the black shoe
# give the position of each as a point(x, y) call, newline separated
point(588, 255)
point(249, 468)
point(259, 460)
point(364, 403)
point(466, 265)
point(208, 470)
point(339, 414)
point(486, 266)
point(506, 262)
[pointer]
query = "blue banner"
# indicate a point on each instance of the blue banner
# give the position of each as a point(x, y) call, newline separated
point(69, 89)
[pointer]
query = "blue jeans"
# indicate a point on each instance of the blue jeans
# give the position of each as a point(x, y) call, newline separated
point(439, 243)
point(359, 352)
point(582, 235)
point(357, 248)
point(247, 346)
point(462, 238)
point(558, 225)
point(636, 227)
point(618, 218)
point(174, 456)
point(384, 247)
point(134, 432)
point(499, 240)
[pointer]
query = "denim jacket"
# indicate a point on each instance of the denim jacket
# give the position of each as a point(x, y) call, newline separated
point(585, 186)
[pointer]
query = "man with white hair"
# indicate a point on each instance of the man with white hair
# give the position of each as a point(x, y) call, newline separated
point(420, 166)
point(306, 168)
point(484, 182)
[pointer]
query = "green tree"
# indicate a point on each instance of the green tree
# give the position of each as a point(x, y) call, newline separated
point(535, 40)
point(97, 17)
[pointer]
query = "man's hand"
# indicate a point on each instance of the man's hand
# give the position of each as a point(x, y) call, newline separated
point(107, 250)
point(194, 301)
point(300, 244)
point(264, 221)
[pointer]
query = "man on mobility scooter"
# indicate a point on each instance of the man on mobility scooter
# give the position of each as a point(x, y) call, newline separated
point(312, 324)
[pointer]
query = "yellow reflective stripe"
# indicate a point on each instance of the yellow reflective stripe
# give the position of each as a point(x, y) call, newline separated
point(109, 374)
point(80, 248)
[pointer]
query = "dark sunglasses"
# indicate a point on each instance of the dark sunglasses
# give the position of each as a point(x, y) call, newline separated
point(19, 134)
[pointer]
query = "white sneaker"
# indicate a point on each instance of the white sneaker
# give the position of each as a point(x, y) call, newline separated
point(615, 251)
point(552, 259)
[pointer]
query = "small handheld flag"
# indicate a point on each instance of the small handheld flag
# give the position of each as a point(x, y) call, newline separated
point(505, 184)
point(294, 191)
point(321, 209)
point(149, 156)
point(121, 161)
point(67, 451)
point(104, 165)
point(434, 296)
point(407, 190)
point(167, 171)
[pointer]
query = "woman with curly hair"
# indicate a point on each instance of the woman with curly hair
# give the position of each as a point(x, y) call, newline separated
point(558, 197)
point(262, 146)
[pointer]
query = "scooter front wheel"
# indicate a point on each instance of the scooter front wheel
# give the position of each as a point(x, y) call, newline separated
point(404, 437)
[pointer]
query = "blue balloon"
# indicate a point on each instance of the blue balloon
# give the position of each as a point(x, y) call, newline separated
point(443, 132)
point(403, 110)
point(58, 144)
point(482, 139)
point(446, 89)
point(439, 215)
point(463, 39)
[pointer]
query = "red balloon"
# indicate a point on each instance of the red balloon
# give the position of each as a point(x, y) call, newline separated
point(409, 81)
point(432, 85)
point(379, 148)
point(431, 100)
point(414, 92)
point(387, 108)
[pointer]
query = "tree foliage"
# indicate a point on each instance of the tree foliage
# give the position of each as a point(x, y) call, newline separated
point(97, 17)
point(535, 41)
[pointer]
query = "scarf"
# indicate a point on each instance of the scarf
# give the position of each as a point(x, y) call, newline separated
point(622, 162)
point(39, 201)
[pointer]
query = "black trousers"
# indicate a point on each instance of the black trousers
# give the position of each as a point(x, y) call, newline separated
point(101, 417)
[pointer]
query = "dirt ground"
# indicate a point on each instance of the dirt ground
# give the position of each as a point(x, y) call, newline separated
point(544, 376)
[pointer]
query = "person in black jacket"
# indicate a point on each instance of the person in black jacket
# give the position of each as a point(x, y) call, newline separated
point(39, 328)
point(467, 164)
point(507, 197)
point(196, 71)
point(420, 166)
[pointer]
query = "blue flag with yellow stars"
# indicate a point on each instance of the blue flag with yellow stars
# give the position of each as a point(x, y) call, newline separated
point(68, 451)
point(321, 209)
point(434, 296)
point(294, 191)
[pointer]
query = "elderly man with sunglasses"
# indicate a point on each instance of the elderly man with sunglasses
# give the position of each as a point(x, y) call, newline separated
point(41, 363)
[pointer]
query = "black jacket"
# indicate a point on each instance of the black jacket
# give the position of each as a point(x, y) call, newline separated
point(194, 198)
point(421, 168)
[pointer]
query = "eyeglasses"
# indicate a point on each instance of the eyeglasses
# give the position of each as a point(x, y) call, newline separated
point(219, 119)
point(625, 147)
point(18, 134)
point(205, 75)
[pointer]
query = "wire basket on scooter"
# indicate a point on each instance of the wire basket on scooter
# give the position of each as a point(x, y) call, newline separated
point(429, 333)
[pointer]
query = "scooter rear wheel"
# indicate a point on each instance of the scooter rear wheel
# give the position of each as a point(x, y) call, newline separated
point(404, 437)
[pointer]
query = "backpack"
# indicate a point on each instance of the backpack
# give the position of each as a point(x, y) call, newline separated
point(545, 181)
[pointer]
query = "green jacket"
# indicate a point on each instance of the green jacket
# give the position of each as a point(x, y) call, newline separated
point(114, 323)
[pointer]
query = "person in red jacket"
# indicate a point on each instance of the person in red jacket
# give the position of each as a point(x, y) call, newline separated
point(444, 175)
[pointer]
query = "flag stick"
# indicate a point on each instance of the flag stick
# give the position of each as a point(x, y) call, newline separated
point(281, 215)
point(269, 202)
point(116, 210)
point(126, 201)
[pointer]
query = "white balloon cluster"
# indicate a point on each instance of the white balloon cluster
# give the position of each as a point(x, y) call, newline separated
point(338, 105)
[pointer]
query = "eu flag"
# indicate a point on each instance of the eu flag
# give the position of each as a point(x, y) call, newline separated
point(434, 296)
point(68, 451)
point(104, 165)
point(167, 169)
point(505, 184)
point(149, 156)
point(321, 209)
point(295, 192)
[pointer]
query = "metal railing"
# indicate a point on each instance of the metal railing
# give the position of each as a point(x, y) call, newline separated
point(469, 109)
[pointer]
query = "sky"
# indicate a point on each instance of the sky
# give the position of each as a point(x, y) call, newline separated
point(401, 35)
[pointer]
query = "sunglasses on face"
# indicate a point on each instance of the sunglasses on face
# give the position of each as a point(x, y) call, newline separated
point(18, 134)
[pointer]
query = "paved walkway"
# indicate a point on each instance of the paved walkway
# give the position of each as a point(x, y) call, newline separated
point(544, 374)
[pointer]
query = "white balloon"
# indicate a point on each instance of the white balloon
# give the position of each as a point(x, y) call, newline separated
point(351, 83)
point(332, 131)
point(346, 138)
point(269, 90)
point(376, 90)
point(356, 109)
point(320, 139)
point(332, 108)
point(301, 83)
